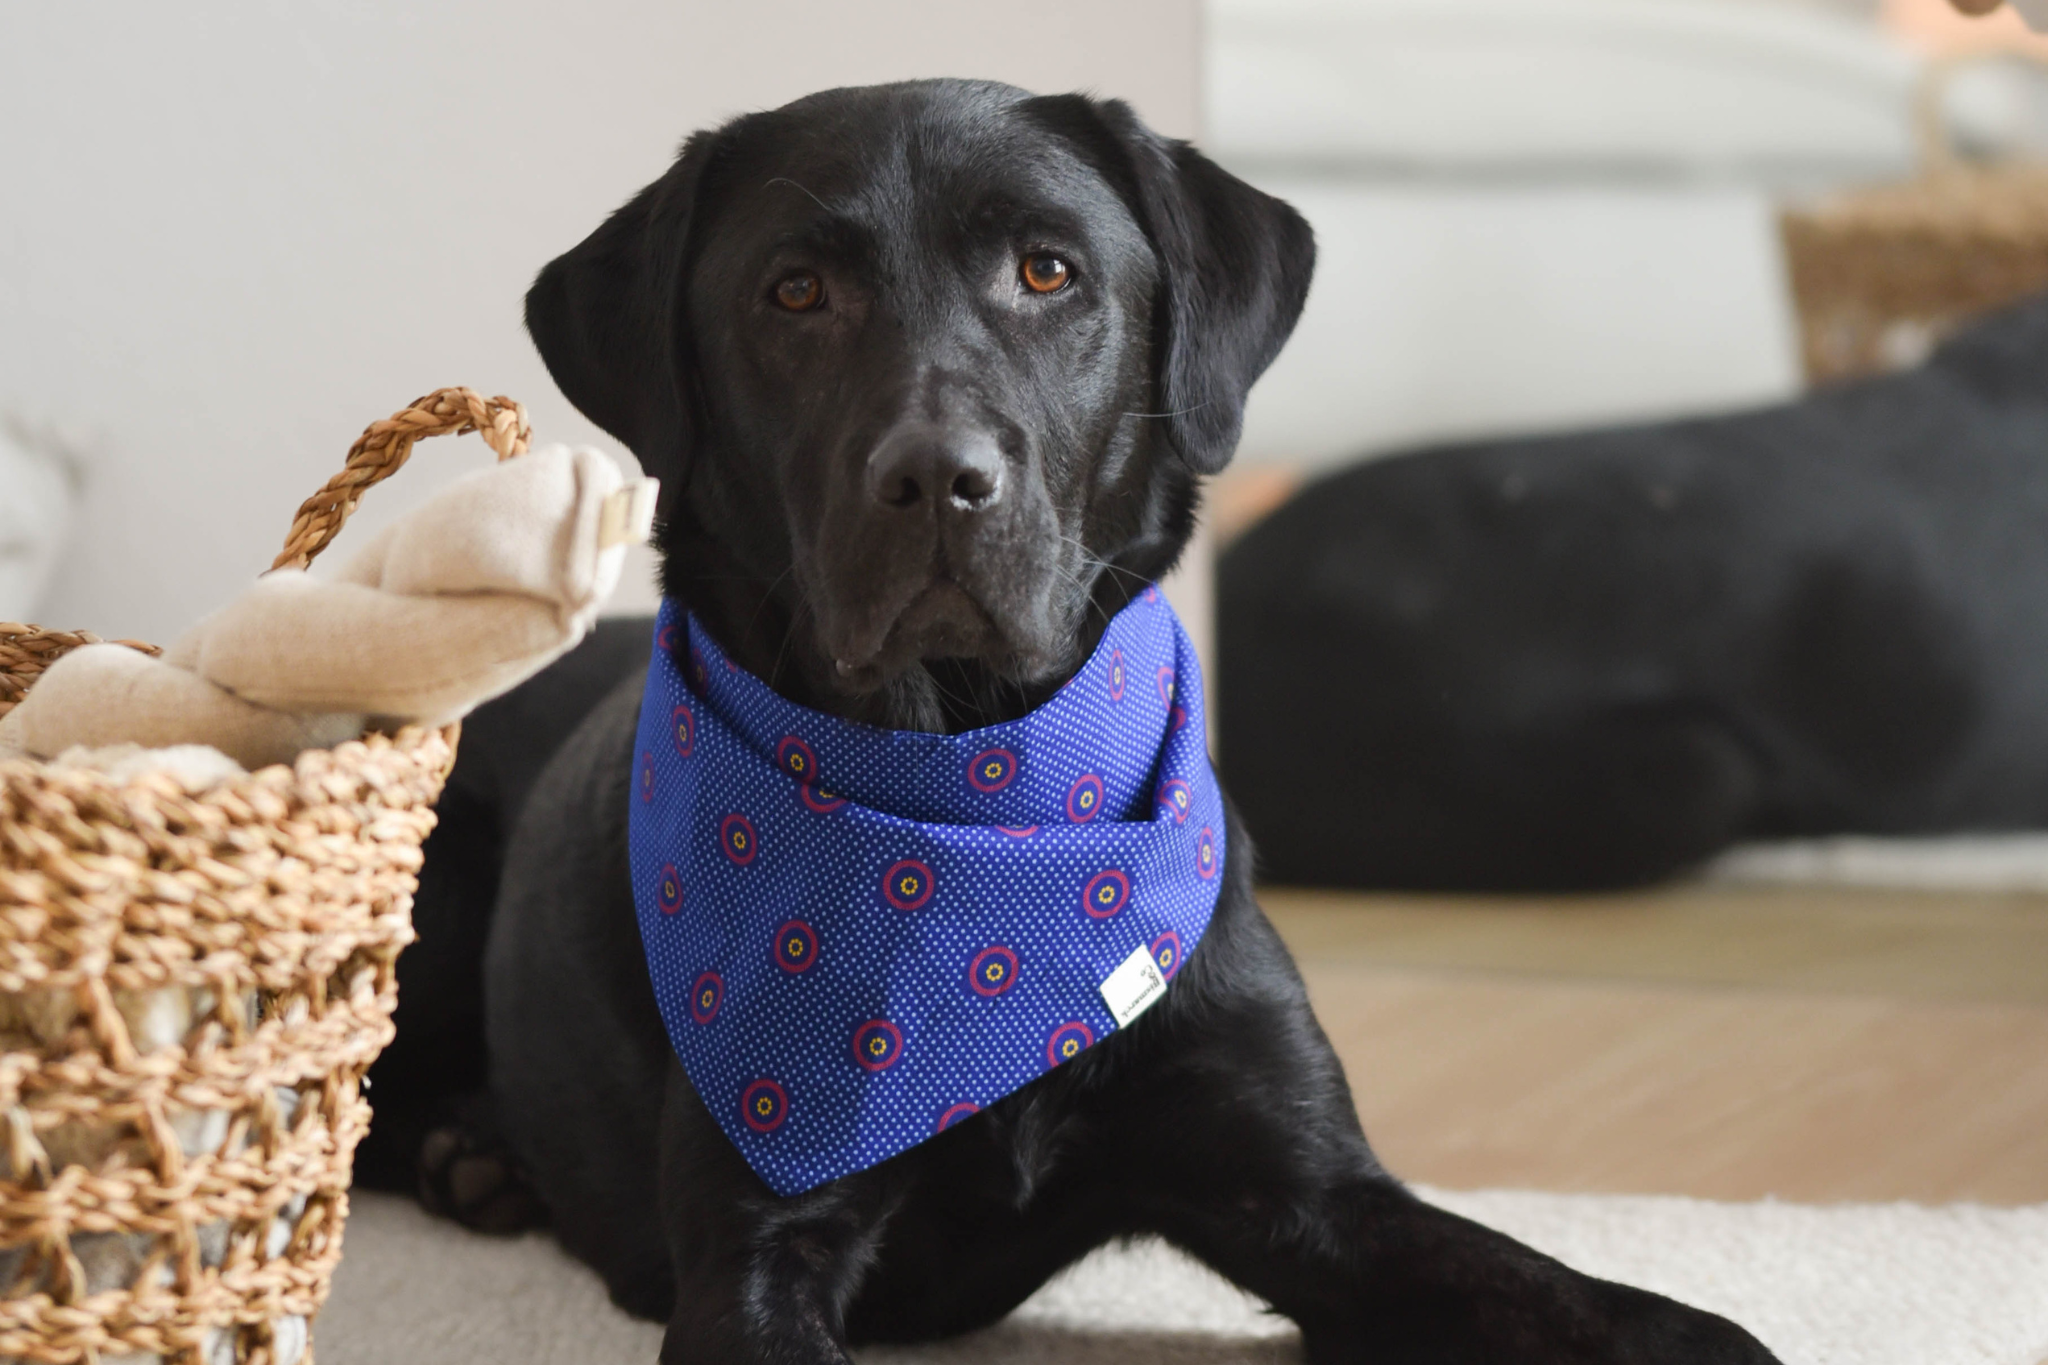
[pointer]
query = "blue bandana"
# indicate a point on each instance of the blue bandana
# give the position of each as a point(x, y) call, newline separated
point(859, 937)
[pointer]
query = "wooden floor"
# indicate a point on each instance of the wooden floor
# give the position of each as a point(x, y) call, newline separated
point(1719, 1041)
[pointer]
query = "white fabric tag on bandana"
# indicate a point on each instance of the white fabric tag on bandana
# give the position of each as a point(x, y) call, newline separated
point(1134, 987)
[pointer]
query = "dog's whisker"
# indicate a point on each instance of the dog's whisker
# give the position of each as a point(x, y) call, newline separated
point(768, 594)
point(729, 578)
point(1161, 416)
point(785, 180)
point(803, 609)
point(1090, 560)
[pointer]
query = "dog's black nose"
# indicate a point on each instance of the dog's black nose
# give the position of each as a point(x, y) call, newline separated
point(962, 471)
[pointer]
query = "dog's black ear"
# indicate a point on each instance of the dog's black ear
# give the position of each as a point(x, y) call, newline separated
point(1235, 266)
point(609, 318)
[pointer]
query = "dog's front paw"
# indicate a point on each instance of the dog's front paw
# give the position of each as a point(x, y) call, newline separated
point(1572, 1321)
point(1649, 1329)
point(476, 1183)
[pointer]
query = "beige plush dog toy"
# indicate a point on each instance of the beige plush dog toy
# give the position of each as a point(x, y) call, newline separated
point(466, 596)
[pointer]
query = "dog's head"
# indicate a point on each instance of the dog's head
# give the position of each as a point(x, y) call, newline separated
point(929, 373)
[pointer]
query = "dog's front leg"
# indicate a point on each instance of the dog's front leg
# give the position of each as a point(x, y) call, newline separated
point(1373, 1274)
point(1237, 1111)
point(760, 1280)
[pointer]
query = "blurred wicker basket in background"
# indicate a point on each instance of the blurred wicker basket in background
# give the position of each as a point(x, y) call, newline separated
point(1881, 275)
point(192, 985)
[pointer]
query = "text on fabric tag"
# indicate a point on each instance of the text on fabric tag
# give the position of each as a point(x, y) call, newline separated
point(1134, 987)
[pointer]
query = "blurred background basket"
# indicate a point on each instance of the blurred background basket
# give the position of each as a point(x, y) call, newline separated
point(1882, 274)
point(191, 988)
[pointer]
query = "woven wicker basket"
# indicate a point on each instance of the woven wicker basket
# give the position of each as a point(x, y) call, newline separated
point(1881, 275)
point(191, 988)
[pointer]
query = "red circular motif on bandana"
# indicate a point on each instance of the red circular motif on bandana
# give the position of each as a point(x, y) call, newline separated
point(1116, 675)
point(1176, 798)
point(796, 759)
point(1166, 952)
point(877, 1044)
point(1068, 1041)
point(707, 992)
point(682, 726)
point(764, 1105)
point(796, 946)
point(962, 1110)
point(991, 770)
point(907, 885)
point(1105, 893)
point(820, 800)
point(1084, 798)
point(668, 892)
point(736, 837)
point(1205, 853)
point(993, 971)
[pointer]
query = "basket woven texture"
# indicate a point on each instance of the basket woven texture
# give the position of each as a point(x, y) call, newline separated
point(1881, 275)
point(191, 988)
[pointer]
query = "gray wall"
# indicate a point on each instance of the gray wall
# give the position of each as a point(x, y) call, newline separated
point(232, 234)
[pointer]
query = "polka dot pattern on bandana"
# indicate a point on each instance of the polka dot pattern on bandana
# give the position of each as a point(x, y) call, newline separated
point(859, 938)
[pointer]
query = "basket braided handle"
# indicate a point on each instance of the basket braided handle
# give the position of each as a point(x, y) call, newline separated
point(385, 446)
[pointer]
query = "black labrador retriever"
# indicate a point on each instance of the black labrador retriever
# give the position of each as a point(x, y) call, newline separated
point(1593, 659)
point(931, 373)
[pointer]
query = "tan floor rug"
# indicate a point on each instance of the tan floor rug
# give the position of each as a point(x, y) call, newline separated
point(1891, 1284)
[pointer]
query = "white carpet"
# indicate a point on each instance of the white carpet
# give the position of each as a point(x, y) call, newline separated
point(1962, 862)
point(1847, 1285)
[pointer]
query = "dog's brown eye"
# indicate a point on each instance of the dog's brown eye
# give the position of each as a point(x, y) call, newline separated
point(1045, 273)
point(800, 292)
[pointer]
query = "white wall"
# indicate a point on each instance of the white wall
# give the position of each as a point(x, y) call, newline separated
point(233, 233)
point(1444, 311)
